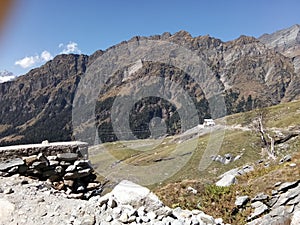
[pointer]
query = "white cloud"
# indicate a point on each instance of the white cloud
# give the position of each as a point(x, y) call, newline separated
point(46, 56)
point(27, 62)
point(72, 47)
point(30, 61)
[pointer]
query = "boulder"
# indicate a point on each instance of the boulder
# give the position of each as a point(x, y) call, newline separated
point(228, 158)
point(259, 209)
point(8, 164)
point(192, 190)
point(286, 158)
point(260, 197)
point(67, 157)
point(129, 193)
point(241, 200)
point(46, 142)
point(226, 181)
point(287, 185)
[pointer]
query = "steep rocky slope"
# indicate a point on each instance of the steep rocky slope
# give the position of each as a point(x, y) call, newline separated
point(287, 42)
point(244, 72)
point(37, 106)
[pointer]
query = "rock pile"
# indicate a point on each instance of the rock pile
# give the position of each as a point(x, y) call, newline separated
point(32, 202)
point(281, 207)
point(70, 172)
point(130, 203)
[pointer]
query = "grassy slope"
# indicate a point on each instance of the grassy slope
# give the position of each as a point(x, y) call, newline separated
point(216, 201)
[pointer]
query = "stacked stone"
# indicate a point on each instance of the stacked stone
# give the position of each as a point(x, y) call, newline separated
point(64, 171)
point(278, 208)
point(10, 152)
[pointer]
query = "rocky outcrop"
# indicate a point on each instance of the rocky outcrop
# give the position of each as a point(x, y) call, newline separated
point(33, 202)
point(285, 41)
point(229, 177)
point(37, 106)
point(281, 207)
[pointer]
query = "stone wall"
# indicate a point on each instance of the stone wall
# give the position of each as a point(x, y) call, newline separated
point(46, 148)
point(63, 165)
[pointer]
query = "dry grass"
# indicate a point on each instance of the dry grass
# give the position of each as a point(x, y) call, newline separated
point(219, 201)
point(216, 201)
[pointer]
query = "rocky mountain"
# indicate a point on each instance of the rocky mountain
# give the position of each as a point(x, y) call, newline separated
point(6, 76)
point(38, 105)
point(287, 42)
point(245, 73)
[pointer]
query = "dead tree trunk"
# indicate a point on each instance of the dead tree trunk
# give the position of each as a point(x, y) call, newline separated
point(270, 147)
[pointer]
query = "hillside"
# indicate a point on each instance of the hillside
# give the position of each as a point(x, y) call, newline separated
point(235, 76)
point(171, 166)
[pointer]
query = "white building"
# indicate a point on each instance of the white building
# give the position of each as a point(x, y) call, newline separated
point(209, 123)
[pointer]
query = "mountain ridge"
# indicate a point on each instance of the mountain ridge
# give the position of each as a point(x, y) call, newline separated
point(251, 74)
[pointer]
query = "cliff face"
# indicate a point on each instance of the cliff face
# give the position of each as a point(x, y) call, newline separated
point(287, 42)
point(37, 106)
point(248, 72)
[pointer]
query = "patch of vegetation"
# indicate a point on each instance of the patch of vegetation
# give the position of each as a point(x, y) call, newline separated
point(219, 201)
point(280, 116)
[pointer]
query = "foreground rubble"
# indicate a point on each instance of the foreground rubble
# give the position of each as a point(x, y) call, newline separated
point(27, 201)
point(281, 207)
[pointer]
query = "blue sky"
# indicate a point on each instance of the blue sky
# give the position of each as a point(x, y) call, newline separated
point(37, 30)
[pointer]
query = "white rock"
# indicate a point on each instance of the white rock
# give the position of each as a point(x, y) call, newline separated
point(192, 190)
point(6, 210)
point(108, 218)
point(151, 215)
point(129, 193)
point(219, 221)
point(241, 200)
point(296, 218)
point(206, 218)
point(226, 181)
point(46, 142)
point(123, 218)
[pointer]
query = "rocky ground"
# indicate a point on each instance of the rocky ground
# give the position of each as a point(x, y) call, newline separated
point(27, 201)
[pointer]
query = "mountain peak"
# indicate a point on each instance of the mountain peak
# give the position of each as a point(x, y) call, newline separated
point(286, 41)
point(296, 26)
point(243, 39)
point(183, 33)
point(6, 76)
point(282, 38)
